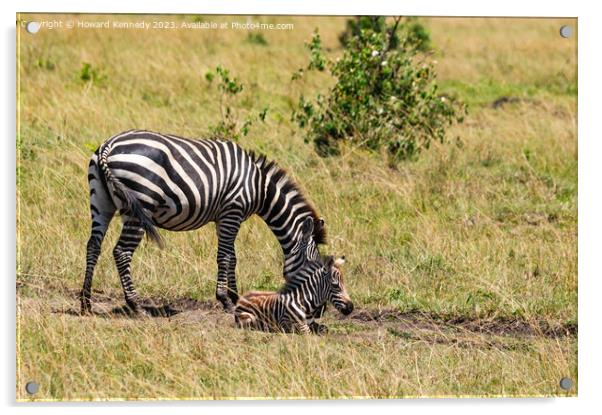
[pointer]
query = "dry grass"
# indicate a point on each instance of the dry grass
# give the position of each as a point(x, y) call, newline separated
point(481, 228)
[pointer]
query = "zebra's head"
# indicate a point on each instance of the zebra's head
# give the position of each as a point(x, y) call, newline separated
point(337, 294)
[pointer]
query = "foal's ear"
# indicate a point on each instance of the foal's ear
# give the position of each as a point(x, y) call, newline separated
point(339, 262)
point(307, 228)
point(319, 225)
point(330, 262)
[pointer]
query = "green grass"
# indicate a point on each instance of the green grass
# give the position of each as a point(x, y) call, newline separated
point(483, 227)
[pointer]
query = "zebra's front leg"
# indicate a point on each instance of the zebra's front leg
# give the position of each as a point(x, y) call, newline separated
point(131, 235)
point(226, 291)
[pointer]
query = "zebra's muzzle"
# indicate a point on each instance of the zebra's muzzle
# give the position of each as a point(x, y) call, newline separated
point(347, 308)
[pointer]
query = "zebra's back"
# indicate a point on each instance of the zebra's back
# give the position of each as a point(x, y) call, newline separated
point(183, 183)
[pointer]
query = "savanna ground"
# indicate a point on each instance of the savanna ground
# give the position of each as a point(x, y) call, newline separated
point(462, 264)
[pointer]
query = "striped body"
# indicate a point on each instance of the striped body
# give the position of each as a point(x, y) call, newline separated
point(293, 308)
point(163, 181)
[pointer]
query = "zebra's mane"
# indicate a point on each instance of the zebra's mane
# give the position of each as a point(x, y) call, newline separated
point(278, 173)
point(301, 278)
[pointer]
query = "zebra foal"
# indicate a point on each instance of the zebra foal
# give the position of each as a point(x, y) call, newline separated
point(164, 181)
point(294, 307)
point(302, 299)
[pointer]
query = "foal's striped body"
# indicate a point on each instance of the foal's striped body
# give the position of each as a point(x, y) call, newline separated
point(293, 308)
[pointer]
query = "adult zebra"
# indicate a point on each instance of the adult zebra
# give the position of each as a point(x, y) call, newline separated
point(158, 180)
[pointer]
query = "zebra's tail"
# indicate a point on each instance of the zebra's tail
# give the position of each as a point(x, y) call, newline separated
point(132, 205)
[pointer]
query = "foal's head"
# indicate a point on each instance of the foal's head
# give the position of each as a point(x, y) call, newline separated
point(337, 294)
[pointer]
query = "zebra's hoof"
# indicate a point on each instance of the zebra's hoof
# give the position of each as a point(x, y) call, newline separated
point(226, 303)
point(229, 308)
point(85, 308)
point(85, 304)
point(136, 310)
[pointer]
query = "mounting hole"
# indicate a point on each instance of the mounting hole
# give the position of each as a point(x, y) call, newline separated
point(566, 31)
point(32, 27)
point(32, 388)
point(566, 383)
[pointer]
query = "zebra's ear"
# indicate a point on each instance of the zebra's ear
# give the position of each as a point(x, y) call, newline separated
point(319, 224)
point(307, 228)
point(339, 262)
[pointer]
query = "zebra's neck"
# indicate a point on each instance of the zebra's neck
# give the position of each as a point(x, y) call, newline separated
point(283, 208)
point(309, 287)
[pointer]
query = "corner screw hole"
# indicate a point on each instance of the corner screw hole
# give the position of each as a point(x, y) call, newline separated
point(566, 383)
point(31, 388)
point(566, 31)
point(32, 27)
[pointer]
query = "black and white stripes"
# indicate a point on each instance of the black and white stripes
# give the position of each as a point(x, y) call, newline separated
point(295, 306)
point(163, 181)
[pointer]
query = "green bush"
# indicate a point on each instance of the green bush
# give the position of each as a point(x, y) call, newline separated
point(230, 126)
point(420, 36)
point(385, 95)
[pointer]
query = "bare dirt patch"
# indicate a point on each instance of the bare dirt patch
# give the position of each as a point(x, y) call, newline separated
point(500, 326)
point(363, 321)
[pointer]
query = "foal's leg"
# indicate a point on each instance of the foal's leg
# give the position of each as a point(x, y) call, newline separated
point(304, 329)
point(299, 320)
point(314, 326)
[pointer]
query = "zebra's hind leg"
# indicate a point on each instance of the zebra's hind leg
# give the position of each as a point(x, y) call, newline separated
point(131, 235)
point(102, 210)
point(100, 224)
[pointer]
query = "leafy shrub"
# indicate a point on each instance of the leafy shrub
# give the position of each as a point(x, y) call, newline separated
point(385, 94)
point(230, 127)
point(420, 36)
